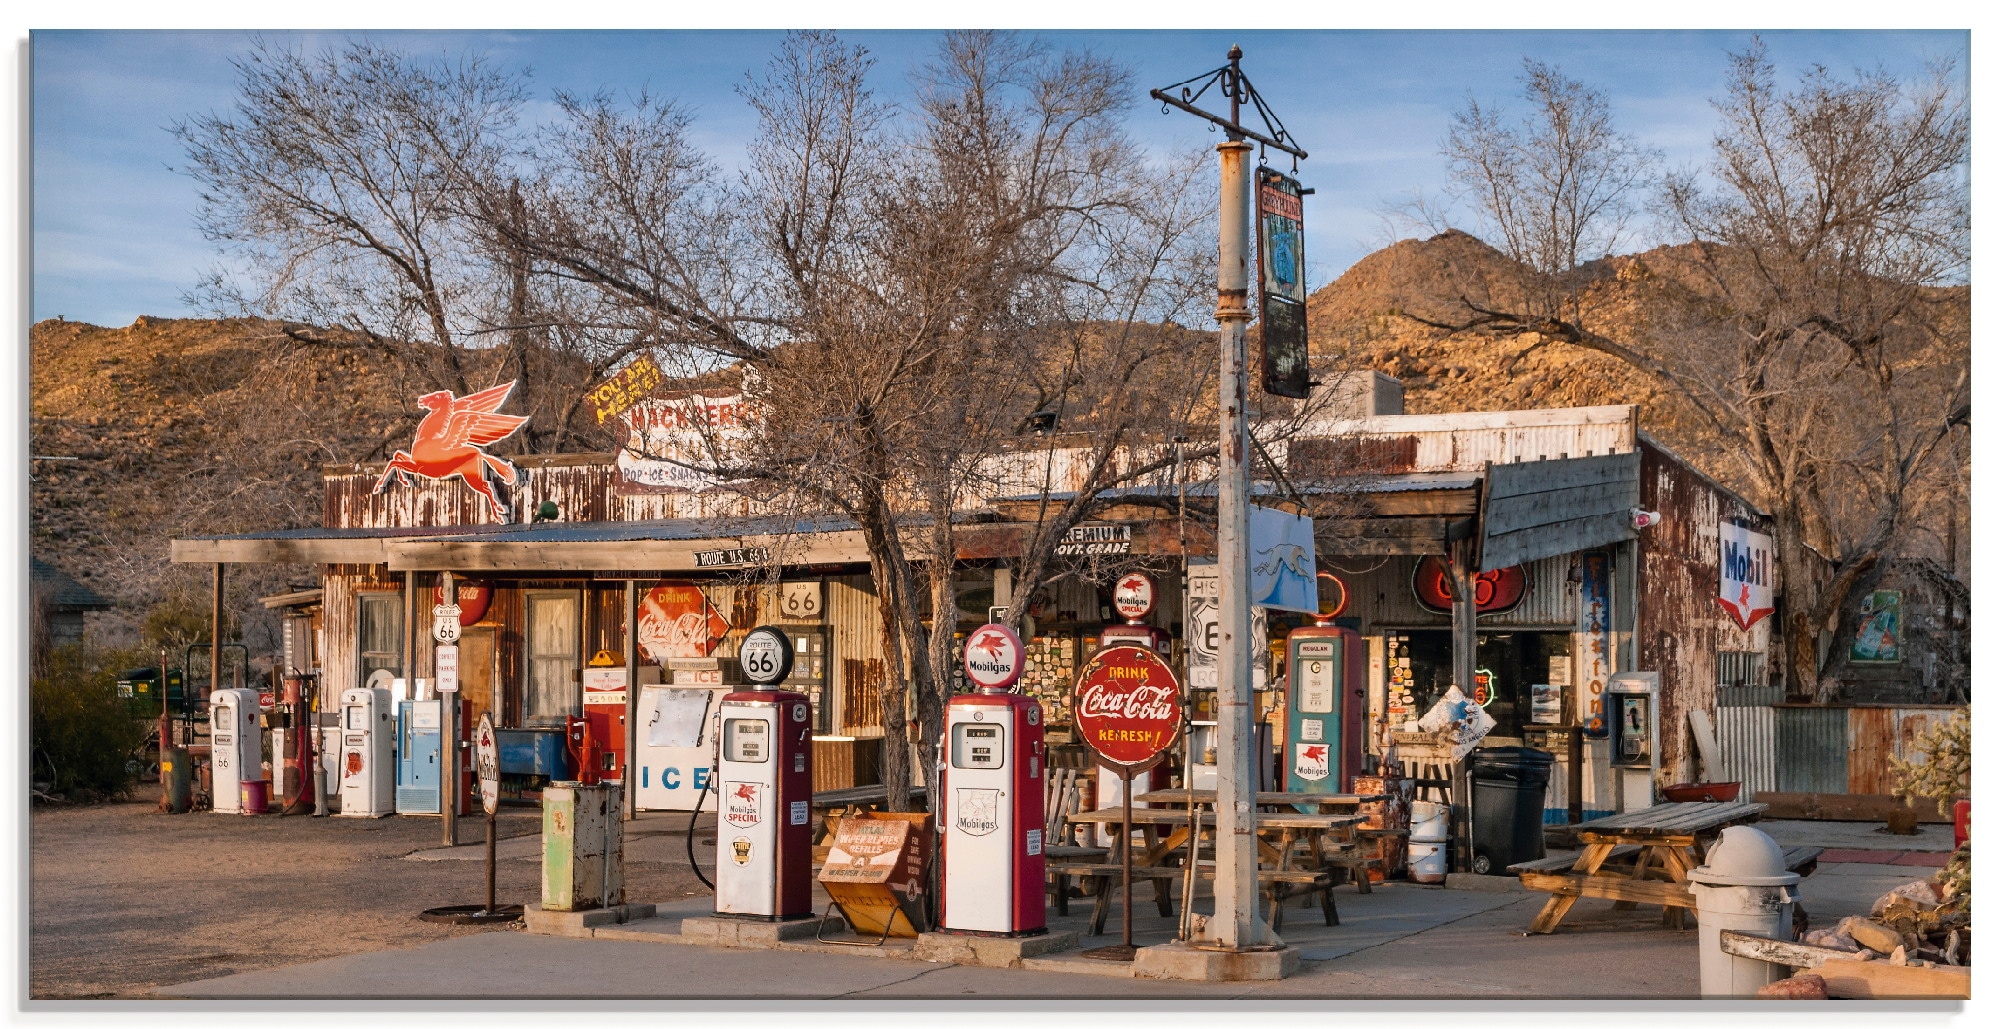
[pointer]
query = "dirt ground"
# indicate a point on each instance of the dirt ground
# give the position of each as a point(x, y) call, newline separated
point(123, 899)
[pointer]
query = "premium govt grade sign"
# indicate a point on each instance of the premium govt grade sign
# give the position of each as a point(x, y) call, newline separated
point(1128, 705)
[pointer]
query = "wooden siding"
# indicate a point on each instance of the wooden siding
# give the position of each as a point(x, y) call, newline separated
point(581, 485)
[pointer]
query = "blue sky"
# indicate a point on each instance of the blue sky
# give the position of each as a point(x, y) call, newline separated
point(113, 234)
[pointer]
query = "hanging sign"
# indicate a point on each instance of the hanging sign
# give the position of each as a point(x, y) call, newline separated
point(473, 596)
point(1492, 592)
point(1281, 267)
point(449, 439)
point(676, 620)
point(486, 763)
point(1746, 575)
point(1127, 706)
point(1283, 572)
point(994, 657)
point(1133, 596)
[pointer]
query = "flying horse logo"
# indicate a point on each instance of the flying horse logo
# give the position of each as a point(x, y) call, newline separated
point(449, 439)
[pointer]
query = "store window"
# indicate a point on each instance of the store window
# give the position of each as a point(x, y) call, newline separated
point(381, 635)
point(1517, 660)
point(553, 690)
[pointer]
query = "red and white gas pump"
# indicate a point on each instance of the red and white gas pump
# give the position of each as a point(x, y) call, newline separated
point(991, 797)
point(763, 859)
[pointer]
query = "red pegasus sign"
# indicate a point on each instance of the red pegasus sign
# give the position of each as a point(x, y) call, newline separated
point(1128, 705)
point(449, 439)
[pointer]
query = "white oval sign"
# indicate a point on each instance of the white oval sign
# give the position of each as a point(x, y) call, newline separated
point(766, 656)
point(994, 657)
point(1133, 596)
point(486, 762)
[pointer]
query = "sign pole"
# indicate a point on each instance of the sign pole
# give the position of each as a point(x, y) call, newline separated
point(492, 849)
point(448, 704)
point(1125, 849)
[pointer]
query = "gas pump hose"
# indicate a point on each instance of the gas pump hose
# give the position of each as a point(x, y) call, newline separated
point(692, 817)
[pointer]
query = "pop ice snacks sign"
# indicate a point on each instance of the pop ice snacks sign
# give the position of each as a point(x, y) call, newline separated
point(1127, 705)
point(1746, 574)
point(673, 443)
point(994, 657)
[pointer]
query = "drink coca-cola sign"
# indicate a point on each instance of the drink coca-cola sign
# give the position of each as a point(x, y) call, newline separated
point(1128, 705)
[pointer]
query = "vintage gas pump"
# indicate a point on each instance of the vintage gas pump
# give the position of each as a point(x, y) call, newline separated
point(236, 746)
point(991, 796)
point(1631, 700)
point(1326, 676)
point(583, 750)
point(419, 757)
point(604, 708)
point(1133, 597)
point(366, 768)
point(763, 860)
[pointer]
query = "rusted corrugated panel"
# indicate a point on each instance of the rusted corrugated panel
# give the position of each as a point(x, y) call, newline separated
point(1871, 740)
point(1748, 739)
point(1352, 455)
point(858, 667)
point(1812, 749)
point(1469, 450)
point(582, 489)
point(337, 659)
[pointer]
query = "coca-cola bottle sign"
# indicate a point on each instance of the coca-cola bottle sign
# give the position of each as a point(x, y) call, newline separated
point(1128, 705)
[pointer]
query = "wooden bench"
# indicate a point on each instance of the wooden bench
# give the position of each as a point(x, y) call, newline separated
point(1284, 885)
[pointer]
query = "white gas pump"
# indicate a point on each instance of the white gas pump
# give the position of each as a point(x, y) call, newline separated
point(236, 746)
point(763, 832)
point(367, 767)
point(991, 796)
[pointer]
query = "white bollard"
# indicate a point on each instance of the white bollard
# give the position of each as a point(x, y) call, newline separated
point(1744, 886)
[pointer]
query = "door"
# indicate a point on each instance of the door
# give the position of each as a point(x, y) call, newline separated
point(477, 673)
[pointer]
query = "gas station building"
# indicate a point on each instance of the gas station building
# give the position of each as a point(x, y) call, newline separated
point(1546, 504)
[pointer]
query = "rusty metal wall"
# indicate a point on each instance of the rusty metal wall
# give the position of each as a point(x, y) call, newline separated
point(581, 485)
point(858, 666)
point(1847, 749)
point(1746, 729)
point(1465, 443)
point(1681, 628)
point(1812, 749)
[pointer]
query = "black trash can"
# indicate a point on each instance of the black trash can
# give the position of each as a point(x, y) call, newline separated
point(1508, 787)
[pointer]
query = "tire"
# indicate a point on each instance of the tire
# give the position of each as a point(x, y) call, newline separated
point(1482, 864)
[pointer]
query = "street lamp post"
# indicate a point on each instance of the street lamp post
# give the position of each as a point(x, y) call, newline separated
point(1236, 924)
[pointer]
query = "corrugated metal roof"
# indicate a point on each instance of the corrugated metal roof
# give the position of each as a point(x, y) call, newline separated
point(560, 532)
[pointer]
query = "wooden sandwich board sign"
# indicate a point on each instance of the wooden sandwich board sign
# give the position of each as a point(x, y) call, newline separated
point(875, 872)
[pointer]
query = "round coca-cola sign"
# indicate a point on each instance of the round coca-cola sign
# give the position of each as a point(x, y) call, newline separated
point(994, 657)
point(1133, 596)
point(1127, 705)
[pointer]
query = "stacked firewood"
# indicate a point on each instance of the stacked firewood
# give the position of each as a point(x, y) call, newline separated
point(1913, 924)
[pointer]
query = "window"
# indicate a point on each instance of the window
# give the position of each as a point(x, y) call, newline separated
point(380, 634)
point(554, 691)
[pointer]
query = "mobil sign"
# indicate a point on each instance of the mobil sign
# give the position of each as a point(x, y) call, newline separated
point(1748, 572)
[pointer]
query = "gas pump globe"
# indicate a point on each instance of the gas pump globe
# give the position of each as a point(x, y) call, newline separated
point(763, 852)
point(990, 797)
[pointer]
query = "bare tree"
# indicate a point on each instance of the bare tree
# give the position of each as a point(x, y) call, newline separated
point(1814, 321)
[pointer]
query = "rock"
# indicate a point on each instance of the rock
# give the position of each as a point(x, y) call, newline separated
point(1951, 948)
point(1874, 935)
point(1804, 986)
point(1919, 894)
point(1834, 938)
point(1899, 956)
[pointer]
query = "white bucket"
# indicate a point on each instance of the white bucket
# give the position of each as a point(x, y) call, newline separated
point(1427, 861)
point(1429, 821)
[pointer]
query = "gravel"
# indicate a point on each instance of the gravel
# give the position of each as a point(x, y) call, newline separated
point(123, 899)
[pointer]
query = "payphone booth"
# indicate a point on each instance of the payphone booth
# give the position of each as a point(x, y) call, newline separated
point(763, 859)
point(991, 797)
point(236, 743)
point(366, 767)
point(1326, 675)
point(1631, 700)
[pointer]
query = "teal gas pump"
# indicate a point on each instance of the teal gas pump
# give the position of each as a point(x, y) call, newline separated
point(1325, 699)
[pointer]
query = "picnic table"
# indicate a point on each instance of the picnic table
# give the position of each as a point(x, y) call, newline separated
point(1640, 857)
point(1265, 798)
point(1283, 838)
